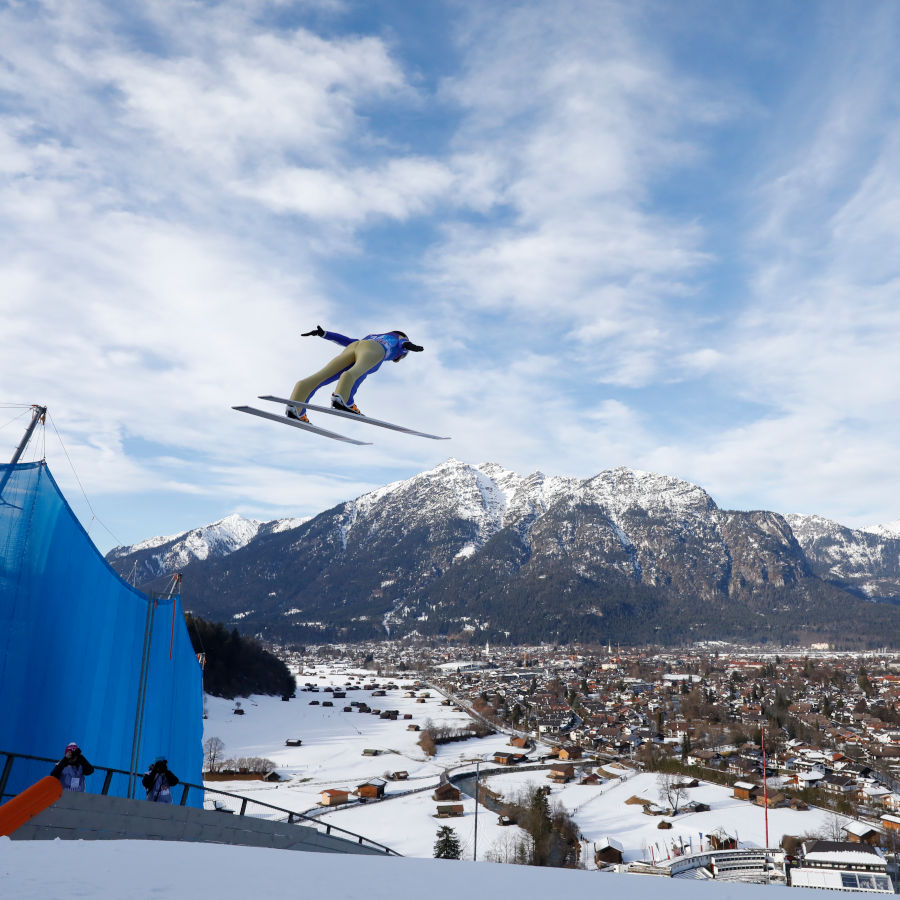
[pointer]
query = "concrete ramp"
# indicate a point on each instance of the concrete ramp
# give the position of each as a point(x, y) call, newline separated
point(90, 817)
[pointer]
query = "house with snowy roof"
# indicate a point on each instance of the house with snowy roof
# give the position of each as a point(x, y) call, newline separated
point(745, 790)
point(608, 851)
point(858, 832)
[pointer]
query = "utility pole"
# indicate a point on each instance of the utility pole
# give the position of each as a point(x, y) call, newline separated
point(475, 842)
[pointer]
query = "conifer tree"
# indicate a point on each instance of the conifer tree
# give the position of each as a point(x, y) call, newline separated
point(447, 845)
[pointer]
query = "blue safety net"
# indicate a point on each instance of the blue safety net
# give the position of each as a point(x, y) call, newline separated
point(85, 657)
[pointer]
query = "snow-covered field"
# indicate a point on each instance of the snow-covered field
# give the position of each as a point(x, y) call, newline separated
point(332, 757)
point(602, 811)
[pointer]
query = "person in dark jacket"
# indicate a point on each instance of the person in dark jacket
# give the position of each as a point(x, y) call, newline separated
point(72, 769)
point(349, 368)
point(158, 780)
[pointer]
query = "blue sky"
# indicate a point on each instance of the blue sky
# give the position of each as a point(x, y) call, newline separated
point(646, 234)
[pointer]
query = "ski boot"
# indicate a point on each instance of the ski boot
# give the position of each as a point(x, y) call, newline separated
point(293, 413)
point(338, 402)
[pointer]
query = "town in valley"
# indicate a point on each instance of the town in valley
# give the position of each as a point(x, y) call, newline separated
point(743, 763)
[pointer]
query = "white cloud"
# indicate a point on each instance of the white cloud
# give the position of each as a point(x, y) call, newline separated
point(246, 97)
point(797, 463)
point(187, 187)
point(578, 119)
point(397, 190)
point(702, 361)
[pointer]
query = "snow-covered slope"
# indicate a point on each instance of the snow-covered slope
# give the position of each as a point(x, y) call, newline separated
point(110, 870)
point(867, 560)
point(160, 556)
point(487, 496)
point(888, 530)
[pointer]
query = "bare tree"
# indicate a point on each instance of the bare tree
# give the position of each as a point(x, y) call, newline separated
point(513, 848)
point(213, 747)
point(503, 849)
point(832, 828)
point(672, 791)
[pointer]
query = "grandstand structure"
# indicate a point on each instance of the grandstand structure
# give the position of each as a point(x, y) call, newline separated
point(829, 865)
point(756, 865)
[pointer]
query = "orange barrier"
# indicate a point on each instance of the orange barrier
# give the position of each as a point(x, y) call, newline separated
point(29, 803)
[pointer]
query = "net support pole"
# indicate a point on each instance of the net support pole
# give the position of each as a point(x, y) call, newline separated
point(37, 415)
point(141, 697)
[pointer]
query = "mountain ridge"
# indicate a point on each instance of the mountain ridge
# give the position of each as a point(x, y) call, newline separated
point(463, 550)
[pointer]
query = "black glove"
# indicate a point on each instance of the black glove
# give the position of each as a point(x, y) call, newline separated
point(318, 331)
point(409, 345)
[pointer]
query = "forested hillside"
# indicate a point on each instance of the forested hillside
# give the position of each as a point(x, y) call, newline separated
point(237, 666)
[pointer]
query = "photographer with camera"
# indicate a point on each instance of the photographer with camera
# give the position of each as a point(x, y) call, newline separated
point(158, 780)
point(72, 769)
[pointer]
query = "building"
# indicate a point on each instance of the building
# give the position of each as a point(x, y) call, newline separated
point(446, 793)
point(861, 833)
point(570, 752)
point(561, 773)
point(608, 851)
point(745, 790)
point(450, 810)
point(842, 866)
point(334, 797)
point(772, 799)
point(371, 790)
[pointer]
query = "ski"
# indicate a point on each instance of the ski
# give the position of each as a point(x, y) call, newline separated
point(302, 425)
point(354, 417)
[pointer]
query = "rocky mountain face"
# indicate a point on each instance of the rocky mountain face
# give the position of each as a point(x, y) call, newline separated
point(159, 557)
point(484, 553)
point(866, 562)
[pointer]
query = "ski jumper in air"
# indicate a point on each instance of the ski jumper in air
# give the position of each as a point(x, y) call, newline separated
point(350, 367)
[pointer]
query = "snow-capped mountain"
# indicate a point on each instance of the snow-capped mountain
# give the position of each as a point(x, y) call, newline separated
point(888, 530)
point(864, 561)
point(481, 550)
point(162, 556)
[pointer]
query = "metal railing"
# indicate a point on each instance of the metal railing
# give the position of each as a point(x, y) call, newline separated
point(208, 799)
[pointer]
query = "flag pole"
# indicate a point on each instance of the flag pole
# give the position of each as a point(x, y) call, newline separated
point(765, 783)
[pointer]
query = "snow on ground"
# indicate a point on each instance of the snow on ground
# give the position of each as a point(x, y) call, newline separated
point(601, 810)
point(141, 870)
point(408, 824)
point(331, 756)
